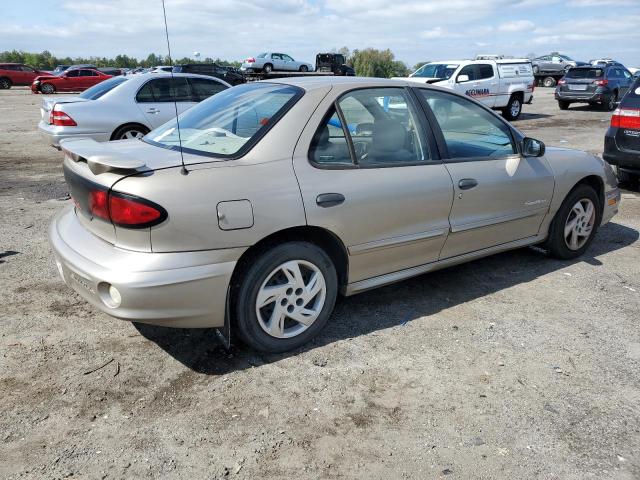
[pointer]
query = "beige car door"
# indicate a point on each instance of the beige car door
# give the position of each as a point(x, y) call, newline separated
point(500, 196)
point(368, 172)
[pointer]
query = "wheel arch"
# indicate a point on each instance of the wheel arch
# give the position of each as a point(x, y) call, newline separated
point(128, 124)
point(595, 182)
point(319, 236)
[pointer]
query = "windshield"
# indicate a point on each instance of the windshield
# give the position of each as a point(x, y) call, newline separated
point(262, 55)
point(222, 125)
point(101, 88)
point(436, 70)
point(584, 73)
point(566, 58)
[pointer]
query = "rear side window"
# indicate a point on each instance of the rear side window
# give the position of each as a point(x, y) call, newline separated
point(381, 128)
point(165, 90)
point(585, 73)
point(485, 71)
point(101, 88)
point(468, 129)
point(73, 73)
point(203, 88)
point(229, 123)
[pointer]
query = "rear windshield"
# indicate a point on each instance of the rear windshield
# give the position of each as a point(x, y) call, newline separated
point(585, 73)
point(101, 88)
point(436, 70)
point(229, 123)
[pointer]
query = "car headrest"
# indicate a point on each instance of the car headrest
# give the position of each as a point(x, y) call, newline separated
point(388, 135)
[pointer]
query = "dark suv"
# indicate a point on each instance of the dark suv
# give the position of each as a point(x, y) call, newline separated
point(603, 85)
point(622, 140)
point(229, 74)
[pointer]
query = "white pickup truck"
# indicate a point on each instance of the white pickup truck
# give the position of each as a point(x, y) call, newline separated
point(502, 84)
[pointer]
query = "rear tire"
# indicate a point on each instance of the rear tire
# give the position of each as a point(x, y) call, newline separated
point(549, 82)
point(304, 68)
point(569, 223)
point(609, 104)
point(268, 68)
point(278, 286)
point(5, 84)
point(130, 132)
point(47, 88)
point(513, 109)
point(563, 104)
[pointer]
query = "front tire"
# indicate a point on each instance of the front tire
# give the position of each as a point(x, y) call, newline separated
point(5, 84)
point(563, 104)
point(304, 68)
point(513, 109)
point(549, 82)
point(47, 89)
point(285, 297)
point(609, 105)
point(575, 224)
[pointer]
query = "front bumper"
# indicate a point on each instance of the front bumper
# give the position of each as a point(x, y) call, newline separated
point(182, 289)
point(53, 134)
point(611, 205)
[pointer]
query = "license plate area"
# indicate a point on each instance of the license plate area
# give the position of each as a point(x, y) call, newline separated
point(577, 87)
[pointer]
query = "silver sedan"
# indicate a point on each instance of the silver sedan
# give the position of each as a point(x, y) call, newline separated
point(270, 198)
point(268, 62)
point(124, 107)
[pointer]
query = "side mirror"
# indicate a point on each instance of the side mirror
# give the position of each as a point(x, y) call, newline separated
point(463, 78)
point(532, 147)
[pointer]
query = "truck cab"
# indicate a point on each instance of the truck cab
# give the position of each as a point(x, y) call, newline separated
point(501, 84)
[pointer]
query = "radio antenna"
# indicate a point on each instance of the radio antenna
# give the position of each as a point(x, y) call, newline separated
point(184, 170)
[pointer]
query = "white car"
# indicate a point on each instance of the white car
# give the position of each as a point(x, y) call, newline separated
point(124, 107)
point(501, 84)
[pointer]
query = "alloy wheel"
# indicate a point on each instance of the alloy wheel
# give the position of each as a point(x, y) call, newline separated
point(579, 224)
point(291, 298)
point(4, 84)
point(516, 106)
point(131, 135)
point(47, 89)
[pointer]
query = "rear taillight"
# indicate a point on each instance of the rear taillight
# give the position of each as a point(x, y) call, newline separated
point(121, 209)
point(250, 60)
point(562, 81)
point(61, 119)
point(601, 83)
point(626, 118)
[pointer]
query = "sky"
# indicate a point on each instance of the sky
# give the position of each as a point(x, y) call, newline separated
point(414, 30)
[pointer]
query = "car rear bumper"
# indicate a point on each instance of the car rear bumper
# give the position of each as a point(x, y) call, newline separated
point(53, 134)
point(182, 289)
point(624, 160)
point(582, 96)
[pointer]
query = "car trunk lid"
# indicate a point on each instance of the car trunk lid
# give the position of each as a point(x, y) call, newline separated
point(582, 81)
point(48, 104)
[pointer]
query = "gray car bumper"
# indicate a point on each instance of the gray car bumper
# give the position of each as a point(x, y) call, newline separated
point(182, 289)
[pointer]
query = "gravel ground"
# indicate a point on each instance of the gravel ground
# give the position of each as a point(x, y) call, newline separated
point(514, 366)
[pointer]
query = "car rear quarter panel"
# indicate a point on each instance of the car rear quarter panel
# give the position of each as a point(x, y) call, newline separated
point(264, 177)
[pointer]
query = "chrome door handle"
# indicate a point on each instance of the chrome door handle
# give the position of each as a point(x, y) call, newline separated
point(153, 110)
point(326, 200)
point(467, 183)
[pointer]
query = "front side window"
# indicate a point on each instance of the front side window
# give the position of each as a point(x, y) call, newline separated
point(287, 57)
point(167, 89)
point(436, 70)
point(380, 125)
point(229, 123)
point(203, 88)
point(468, 70)
point(73, 73)
point(468, 129)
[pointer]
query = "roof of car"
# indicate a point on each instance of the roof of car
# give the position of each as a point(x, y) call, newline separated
point(143, 78)
point(311, 83)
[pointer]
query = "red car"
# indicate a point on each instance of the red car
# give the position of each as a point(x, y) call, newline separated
point(75, 80)
point(17, 74)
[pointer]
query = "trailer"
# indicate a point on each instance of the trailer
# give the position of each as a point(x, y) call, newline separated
point(327, 65)
point(548, 79)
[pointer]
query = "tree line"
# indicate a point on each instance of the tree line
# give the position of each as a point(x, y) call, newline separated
point(368, 62)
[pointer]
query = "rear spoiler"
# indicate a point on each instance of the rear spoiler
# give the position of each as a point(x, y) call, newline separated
point(99, 156)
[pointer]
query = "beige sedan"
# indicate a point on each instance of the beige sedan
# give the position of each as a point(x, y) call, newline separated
point(273, 197)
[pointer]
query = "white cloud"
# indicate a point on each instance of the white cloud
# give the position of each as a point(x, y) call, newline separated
point(517, 26)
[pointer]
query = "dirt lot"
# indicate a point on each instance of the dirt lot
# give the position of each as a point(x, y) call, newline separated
point(516, 366)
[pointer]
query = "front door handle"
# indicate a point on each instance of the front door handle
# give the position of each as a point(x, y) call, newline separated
point(153, 110)
point(467, 183)
point(326, 200)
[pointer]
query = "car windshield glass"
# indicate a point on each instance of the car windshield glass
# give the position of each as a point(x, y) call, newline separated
point(436, 70)
point(585, 73)
point(566, 58)
point(100, 89)
point(262, 55)
point(222, 125)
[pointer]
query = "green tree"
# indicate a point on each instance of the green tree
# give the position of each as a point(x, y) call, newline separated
point(371, 62)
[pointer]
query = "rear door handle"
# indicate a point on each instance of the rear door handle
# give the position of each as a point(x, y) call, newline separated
point(467, 183)
point(153, 110)
point(326, 200)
